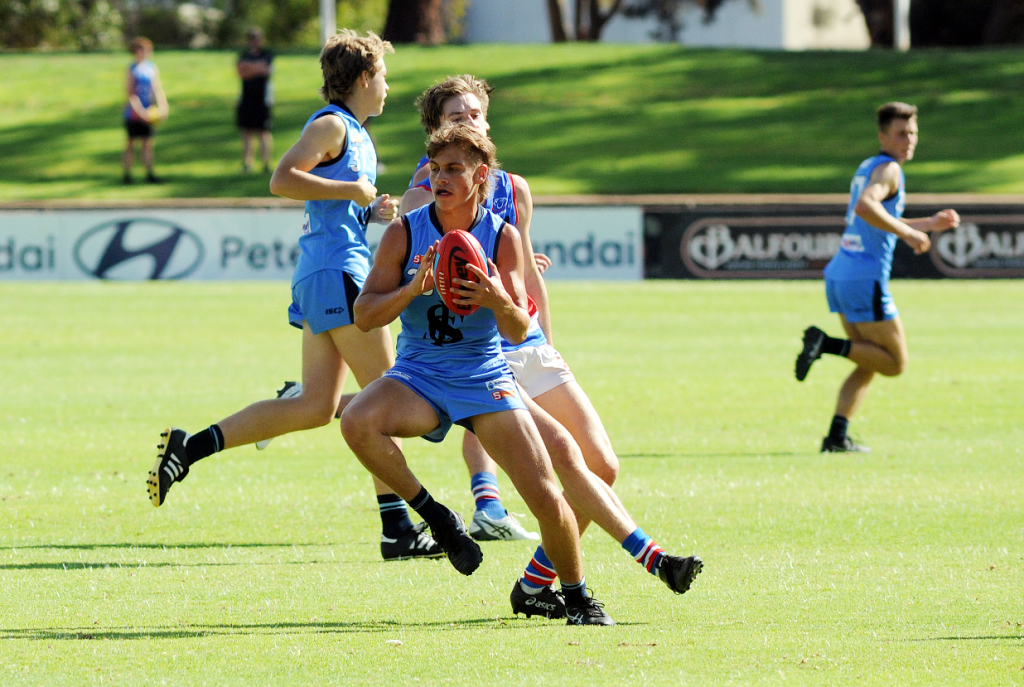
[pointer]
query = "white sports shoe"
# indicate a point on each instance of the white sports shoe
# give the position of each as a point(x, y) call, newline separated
point(289, 390)
point(486, 528)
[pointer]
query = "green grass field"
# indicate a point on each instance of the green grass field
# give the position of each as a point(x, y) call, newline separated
point(575, 118)
point(901, 567)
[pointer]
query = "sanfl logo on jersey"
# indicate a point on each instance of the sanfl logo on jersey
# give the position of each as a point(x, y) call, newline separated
point(305, 224)
point(853, 243)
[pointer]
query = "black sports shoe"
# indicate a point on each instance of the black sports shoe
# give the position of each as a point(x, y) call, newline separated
point(414, 543)
point(588, 611)
point(813, 340)
point(847, 445)
point(170, 464)
point(548, 602)
point(453, 538)
point(678, 572)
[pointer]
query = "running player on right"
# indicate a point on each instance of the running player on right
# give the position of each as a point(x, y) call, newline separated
point(857, 278)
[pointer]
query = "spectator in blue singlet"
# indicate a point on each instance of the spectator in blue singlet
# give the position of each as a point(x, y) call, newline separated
point(857, 278)
point(450, 368)
point(333, 167)
point(580, 448)
point(146, 107)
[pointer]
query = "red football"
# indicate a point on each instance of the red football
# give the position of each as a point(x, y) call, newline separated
point(457, 250)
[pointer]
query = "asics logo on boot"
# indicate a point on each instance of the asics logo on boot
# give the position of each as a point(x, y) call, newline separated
point(540, 604)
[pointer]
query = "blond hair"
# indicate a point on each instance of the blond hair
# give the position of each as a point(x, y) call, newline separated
point(471, 141)
point(345, 56)
point(431, 103)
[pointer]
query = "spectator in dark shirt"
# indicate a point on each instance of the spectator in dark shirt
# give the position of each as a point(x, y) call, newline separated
point(253, 114)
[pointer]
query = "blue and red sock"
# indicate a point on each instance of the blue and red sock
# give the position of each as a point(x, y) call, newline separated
point(487, 494)
point(644, 549)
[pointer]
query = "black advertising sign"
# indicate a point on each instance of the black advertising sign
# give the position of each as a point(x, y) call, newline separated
point(796, 241)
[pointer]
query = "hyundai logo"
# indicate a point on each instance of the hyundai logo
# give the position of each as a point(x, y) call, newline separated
point(139, 248)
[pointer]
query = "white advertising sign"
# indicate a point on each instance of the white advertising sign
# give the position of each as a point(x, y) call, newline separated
point(236, 244)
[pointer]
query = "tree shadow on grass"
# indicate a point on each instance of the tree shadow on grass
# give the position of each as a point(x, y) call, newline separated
point(77, 566)
point(161, 547)
point(727, 454)
point(248, 629)
point(979, 638)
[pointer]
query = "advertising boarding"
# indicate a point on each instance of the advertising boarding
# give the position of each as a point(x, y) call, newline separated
point(262, 243)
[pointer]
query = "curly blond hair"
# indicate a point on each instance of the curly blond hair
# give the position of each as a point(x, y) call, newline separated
point(345, 56)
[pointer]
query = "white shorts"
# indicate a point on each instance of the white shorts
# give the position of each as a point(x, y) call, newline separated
point(539, 369)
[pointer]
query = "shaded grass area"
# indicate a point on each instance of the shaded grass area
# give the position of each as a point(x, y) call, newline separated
point(572, 118)
point(902, 566)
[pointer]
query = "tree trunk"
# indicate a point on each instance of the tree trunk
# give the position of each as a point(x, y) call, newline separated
point(1006, 22)
point(879, 18)
point(557, 21)
point(415, 21)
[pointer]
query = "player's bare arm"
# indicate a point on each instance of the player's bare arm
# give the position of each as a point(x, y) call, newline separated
point(383, 298)
point(884, 182)
point(940, 221)
point(415, 197)
point(535, 286)
point(322, 140)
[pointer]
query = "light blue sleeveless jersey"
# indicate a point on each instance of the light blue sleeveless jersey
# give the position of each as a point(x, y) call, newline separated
point(334, 231)
point(143, 74)
point(866, 252)
point(433, 336)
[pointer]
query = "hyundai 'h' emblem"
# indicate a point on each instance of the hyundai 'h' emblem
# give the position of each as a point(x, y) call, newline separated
point(139, 248)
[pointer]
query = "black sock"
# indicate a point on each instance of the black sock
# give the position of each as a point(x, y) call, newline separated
point(837, 432)
point(394, 517)
point(836, 346)
point(205, 443)
point(575, 594)
point(429, 509)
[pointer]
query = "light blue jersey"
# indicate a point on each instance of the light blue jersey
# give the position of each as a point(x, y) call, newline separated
point(143, 76)
point(433, 336)
point(866, 252)
point(334, 231)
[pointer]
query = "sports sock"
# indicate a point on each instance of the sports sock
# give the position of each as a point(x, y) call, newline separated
point(429, 509)
point(575, 593)
point(394, 516)
point(837, 432)
point(204, 443)
point(836, 346)
point(644, 549)
point(487, 495)
point(539, 573)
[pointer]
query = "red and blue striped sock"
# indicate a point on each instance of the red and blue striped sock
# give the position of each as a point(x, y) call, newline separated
point(487, 494)
point(539, 573)
point(644, 549)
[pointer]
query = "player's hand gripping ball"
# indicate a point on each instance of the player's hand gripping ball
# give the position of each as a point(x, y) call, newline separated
point(153, 115)
point(456, 250)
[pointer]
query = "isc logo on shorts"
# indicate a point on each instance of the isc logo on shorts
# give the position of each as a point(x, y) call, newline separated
point(334, 311)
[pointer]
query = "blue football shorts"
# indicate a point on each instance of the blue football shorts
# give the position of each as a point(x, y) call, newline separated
point(861, 300)
point(323, 299)
point(457, 396)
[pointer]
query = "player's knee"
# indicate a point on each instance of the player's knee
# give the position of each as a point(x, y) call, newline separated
point(565, 454)
point(606, 468)
point(899, 364)
point(356, 424)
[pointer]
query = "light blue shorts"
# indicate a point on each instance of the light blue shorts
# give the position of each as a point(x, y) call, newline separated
point(861, 300)
point(458, 397)
point(324, 299)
